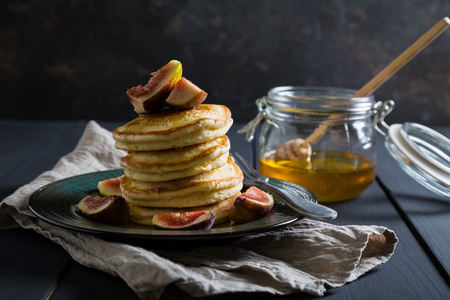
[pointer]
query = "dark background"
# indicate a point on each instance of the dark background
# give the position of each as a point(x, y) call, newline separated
point(71, 59)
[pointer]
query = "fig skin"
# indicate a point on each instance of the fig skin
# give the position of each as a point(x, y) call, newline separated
point(110, 187)
point(151, 97)
point(112, 210)
point(251, 205)
point(185, 95)
point(195, 220)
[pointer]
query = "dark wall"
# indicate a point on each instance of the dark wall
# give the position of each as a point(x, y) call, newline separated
point(75, 59)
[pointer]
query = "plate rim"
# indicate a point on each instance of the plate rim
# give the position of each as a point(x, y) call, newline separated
point(187, 234)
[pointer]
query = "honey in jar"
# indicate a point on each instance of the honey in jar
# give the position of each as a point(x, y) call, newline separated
point(331, 176)
point(320, 138)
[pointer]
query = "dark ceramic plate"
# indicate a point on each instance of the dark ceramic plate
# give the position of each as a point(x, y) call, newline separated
point(55, 203)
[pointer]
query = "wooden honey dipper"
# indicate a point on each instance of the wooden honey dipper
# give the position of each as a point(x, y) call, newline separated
point(299, 149)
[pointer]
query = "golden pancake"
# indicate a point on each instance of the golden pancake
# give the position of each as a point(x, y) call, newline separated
point(221, 210)
point(174, 129)
point(202, 189)
point(191, 199)
point(174, 175)
point(165, 165)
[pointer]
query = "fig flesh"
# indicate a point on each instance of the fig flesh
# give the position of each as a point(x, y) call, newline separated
point(186, 221)
point(251, 205)
point(109, 210)
point(110, 187)
point(185, 95)
point(151, 97)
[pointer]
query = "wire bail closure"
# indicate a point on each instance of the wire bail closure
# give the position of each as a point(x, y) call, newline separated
point(382, 110)
point(250, 128)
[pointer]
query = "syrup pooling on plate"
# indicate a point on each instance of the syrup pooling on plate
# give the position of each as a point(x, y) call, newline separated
point(331, 176)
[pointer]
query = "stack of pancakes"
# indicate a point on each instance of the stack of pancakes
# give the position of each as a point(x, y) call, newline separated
point(179, 161)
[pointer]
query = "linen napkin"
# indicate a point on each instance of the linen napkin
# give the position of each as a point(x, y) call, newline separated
point(307, 256)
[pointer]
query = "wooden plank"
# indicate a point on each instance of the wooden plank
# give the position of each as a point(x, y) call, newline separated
point(409, 274)
point(33, 147)
point(30, 264)
point(81, 282)
point(427, 213)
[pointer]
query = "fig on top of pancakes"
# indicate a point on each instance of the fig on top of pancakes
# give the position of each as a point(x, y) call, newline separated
point(174, 129)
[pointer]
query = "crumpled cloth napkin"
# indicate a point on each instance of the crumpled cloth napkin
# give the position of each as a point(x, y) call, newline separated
point(307, 256)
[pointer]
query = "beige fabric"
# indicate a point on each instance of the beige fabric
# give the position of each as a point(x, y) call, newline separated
point(305, 257)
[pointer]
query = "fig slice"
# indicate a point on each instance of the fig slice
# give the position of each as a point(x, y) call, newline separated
point(151, 97)
point(109, 210)
point(110, 186)
point(251, 205)
point(194, 220)
point(185, 95)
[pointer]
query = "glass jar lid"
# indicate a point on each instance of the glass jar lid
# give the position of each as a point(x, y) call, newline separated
point(424, 154)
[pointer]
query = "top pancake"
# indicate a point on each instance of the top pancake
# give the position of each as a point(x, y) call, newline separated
point(174, 129)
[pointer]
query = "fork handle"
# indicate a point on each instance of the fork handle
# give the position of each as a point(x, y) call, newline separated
point(298, 204)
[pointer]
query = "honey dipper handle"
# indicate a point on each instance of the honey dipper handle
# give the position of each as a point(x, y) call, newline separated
point(403, 58)
point(390, 70)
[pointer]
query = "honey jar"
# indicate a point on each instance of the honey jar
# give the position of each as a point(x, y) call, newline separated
point(320, 138)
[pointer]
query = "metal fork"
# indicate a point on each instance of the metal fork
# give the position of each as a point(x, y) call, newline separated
point(294, 196)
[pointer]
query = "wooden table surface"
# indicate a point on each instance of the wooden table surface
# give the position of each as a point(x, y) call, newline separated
point(32, 267)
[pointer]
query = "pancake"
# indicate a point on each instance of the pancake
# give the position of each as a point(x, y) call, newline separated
point(178, 174)
point(190, 199)
point(165, 165)
point(202, 189)
point(174, 129)
point(221, 210)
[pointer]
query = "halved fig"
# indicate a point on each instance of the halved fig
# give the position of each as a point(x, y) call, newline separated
point(251, 205)
point(151, 97)
point(109, 210)
point(189, 220)
point(111, 186)
point(185, 95)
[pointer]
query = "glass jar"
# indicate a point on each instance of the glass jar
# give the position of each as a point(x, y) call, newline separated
point(320, 138)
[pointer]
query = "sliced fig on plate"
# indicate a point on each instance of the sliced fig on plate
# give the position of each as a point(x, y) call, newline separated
point(110, 187)
point(151, 97)
point(251, 205)
point(109, 210)
point(194, 220)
